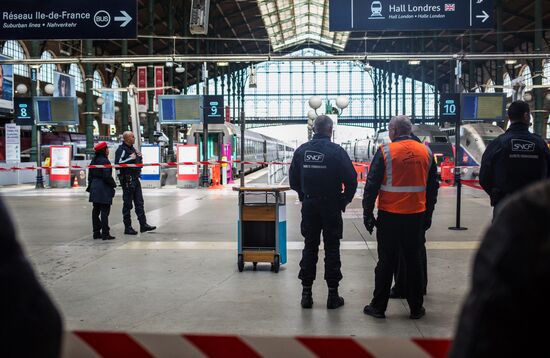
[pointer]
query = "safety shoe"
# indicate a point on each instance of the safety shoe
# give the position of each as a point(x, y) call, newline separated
point(418, 313)
point(334, 300)
point(146, 228)
point(108, 237)
point(130, 231)
point(307, 298)
point(371, 311)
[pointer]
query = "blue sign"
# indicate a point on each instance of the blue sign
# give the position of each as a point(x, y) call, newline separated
point(56, 111)
point(484, 107)
point(68, 19)
point(24, 112)
point(449, 108)
point(410, 15)
point(213, 110)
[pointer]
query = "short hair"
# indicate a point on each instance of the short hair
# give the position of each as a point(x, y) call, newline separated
point(517, 109)
point(323, 125)
point(126, 134)
point(402, 125)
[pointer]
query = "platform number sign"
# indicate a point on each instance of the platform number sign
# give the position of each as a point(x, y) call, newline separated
point(213, 109)
point(450, 108)
point(24, 113)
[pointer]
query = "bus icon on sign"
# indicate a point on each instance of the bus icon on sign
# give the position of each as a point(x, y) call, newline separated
point(376, 10)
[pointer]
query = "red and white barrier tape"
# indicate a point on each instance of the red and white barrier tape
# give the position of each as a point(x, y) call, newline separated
point(164, 165)
point(107, 345)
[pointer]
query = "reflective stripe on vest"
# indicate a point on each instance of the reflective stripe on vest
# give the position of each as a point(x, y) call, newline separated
point(404, 199)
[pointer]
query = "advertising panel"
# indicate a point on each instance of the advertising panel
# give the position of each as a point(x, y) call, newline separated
point(6, 87)
point(64, 85)
point(108, 108)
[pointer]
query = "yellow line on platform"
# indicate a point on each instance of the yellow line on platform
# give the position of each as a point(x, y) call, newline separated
point(293, 245)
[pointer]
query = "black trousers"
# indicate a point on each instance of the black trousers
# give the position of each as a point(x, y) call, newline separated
point(321, 215)
point(132, 194)
point(397, 232)
point(100, 219)
point(400, 274)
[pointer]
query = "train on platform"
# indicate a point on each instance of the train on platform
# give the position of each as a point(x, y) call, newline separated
point(474, 139)
point(362, 151)
point(224, 141)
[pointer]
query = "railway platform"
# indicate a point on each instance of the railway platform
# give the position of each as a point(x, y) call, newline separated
point(183, 277)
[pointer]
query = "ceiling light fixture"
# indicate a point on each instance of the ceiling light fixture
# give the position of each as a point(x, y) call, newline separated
point(127, 64)
point(222, 64)
point(414, 62)
point(511, 62)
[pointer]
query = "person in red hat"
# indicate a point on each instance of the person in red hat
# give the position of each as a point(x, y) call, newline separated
point(101, 187)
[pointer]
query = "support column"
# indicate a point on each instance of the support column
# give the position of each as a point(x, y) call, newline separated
point(540, 117)
point(423, 79)
point(395, 68)
point(125, 82)
point(374, 79)
point(390, 80)
point(171, 156)
point(471, 65)
point(35, 53)
point(88, 50)
point(499, 76)
point(384, 100)
point(151, 75)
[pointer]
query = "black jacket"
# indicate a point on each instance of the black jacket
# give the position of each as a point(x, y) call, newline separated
point(122, 156)
point(506, 313)
point(319, 168)
point(101, 184)
point(30, 325)
point(376, 176)
point(512, 161)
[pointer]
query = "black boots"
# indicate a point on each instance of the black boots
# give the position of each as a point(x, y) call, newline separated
point(97, 235)
point(417, 313)
point(334, 300)
point(130, 231)
point(107, 237)
point(307, 297)
point(146, 228)
point(371, 311)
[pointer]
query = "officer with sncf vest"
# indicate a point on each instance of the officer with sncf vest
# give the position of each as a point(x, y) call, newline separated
point(403, 176)
point(514, 159)
point(131, 186)
point(318, 171)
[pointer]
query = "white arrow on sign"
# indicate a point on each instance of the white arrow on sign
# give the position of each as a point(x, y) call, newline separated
point(126, 18)
point(485, 16)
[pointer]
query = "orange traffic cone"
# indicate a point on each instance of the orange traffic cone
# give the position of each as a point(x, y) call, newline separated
point(75, 182)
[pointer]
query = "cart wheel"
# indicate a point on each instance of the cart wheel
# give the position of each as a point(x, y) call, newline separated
point(255, 265)
point(240, 263)
point(276, 264)
point(272, 267)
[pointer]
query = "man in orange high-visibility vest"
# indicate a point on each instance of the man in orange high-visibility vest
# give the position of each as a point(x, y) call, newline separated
point(403, 176)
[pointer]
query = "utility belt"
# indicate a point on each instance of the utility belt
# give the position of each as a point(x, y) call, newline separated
point(128, 181)
point(334, 198)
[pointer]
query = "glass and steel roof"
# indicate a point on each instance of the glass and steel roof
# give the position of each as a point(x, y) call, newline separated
point(292, 22)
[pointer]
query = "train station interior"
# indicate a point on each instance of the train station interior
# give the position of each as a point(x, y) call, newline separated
point(219, 94)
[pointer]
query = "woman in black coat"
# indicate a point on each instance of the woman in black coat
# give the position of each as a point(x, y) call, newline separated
point(101, 187)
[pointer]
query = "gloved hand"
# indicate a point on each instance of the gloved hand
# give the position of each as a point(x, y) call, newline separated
point(427, 223)
point(370, 222)
point(343, 203)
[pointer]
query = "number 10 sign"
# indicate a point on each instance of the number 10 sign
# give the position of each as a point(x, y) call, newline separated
point(449, 108)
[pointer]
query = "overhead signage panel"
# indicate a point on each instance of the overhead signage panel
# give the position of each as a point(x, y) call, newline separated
point(410, 15)
point(68, 19)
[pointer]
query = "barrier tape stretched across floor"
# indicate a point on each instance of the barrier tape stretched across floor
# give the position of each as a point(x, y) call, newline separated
point(111, 345)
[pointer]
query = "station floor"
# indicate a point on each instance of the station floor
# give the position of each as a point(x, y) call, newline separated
point(183, 277)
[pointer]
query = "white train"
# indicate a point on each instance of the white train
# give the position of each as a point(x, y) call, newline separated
point(226, 138)
point(363, 150)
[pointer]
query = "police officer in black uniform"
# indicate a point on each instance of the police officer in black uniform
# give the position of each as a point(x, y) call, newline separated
point(515, 159)
point(318, 170)
point(131, 186)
